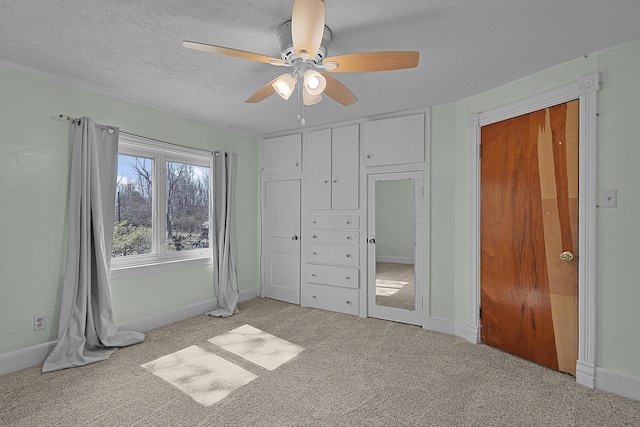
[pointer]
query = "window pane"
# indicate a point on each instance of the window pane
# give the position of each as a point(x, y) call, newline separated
point(187, 207)
point(133, 220)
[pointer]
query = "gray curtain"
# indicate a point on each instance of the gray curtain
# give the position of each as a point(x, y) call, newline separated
point(88, 330)
point(223, 233)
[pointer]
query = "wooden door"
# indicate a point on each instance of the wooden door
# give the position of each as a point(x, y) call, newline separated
point(528, 232)
point(282, 241)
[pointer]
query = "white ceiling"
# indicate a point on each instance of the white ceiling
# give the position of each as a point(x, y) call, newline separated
point(133, 49)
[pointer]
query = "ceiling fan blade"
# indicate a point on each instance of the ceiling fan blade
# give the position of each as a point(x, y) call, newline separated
point(265, 92)
point(338, 92)
point(372, 61)
point(220, 50)
point(307, 27)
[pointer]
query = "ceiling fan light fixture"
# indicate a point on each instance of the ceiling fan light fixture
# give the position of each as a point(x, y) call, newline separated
point(284, 85)
point(309, 99)
point(331, 65)
point(314, 82)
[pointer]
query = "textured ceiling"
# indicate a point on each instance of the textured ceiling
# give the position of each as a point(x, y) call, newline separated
point(133, 49)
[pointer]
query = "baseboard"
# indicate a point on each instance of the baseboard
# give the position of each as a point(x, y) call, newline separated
point(445, 326)
point(25, 357)
point(468, 332)
point(395, 259)
point(168, 317)
point(31, 356)
point(617, 383)
point(585, 374)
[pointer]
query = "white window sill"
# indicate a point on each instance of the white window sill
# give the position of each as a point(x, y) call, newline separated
point(151, 267)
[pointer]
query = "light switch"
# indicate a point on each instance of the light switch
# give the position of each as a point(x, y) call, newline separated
point(608, 198)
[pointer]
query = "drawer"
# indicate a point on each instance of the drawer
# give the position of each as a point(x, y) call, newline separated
point(331, 298)
point(333, 254)
point(334, 236)
point(329, 275)
point(351, 222)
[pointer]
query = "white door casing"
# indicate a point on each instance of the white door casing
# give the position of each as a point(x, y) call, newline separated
point(585, 89)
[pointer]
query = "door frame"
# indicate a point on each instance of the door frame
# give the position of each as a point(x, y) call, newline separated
point(585, 90)
point(414, 317)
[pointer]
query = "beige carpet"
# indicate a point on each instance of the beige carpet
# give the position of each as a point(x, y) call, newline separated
point(395, 285)
point(348, 372)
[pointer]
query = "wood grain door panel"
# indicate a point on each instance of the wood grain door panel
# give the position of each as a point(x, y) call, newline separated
point(529, 189)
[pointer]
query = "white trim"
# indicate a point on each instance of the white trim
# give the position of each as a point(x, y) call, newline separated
point(25, 357)
point(437, 324)
point(395, 259)
point(30, 356)
point(585, 89)
point(617, 383)
point(585, 374)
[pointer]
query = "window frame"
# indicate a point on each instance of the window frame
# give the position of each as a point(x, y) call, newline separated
point(160, 259)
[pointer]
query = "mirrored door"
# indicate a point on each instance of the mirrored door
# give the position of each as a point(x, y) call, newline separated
point(394, 253)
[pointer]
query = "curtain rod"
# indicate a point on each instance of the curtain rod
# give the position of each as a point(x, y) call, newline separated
point(77, 121)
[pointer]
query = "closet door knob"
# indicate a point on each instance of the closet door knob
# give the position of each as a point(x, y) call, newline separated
point(372, 241)
point(294, 238)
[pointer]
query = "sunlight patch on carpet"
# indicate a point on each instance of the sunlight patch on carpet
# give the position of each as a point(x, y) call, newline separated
point(385, 288)
point(257, 346)
point(203, 376)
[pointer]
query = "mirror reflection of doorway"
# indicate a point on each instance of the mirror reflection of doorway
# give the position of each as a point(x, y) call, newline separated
point(394, 205)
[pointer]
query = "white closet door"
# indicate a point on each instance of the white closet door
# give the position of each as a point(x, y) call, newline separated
point(282, 241)
point(345, 172)
point(318, 170)
point(282, 155)
point(394, 141)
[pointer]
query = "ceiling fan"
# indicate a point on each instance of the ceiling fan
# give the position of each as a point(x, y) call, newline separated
point(303, 42)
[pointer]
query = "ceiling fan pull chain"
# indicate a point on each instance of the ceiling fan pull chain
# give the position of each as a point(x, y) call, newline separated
point(300, 107)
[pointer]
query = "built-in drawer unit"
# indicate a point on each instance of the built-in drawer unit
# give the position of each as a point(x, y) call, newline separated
point(330, 275)
point(333, 254)
point(334, 221)
point(335, 236)
point(343, 300)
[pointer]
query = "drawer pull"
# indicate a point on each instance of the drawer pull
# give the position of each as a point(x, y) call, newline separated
point(314, 297)
point(335, 180)
point(315, 253)
point(348, 302)
point(348, 278)
point(314, 236)
point(326, 181)
point(313, 275)
point(315, 222)
point(348, 255)
point(348, 222)
point(348, 237)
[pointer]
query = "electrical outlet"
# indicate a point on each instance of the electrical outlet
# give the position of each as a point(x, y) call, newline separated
point(39, 322)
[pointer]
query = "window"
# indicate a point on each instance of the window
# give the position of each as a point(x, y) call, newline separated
point(161, 206)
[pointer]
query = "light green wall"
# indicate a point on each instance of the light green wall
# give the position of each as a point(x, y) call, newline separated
point(442, 226)
point(34, 174)
point(395, 235)
point(34, 160)
point(618, 292)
